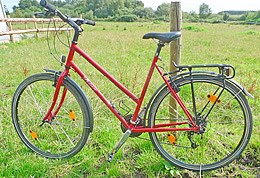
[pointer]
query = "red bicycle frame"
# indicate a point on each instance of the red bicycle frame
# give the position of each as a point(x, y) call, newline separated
point(139, 101)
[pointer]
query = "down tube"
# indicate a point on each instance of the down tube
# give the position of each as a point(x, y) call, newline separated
point(99, 94)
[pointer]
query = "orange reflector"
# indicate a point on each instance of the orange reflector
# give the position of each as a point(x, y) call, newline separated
point(172, 139)
point(213, 99)
point(34, 135)
point(72, 115)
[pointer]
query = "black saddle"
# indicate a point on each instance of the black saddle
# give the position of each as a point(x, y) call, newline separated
point(163, 37)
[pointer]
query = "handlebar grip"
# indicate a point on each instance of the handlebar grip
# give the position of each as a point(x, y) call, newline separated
point(90, 22)
point(48, 6)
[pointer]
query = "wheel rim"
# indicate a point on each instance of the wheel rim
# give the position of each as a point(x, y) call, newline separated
point(217, 145)
point(64, 136)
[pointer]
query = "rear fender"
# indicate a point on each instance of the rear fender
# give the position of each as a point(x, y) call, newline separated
point(187, 75)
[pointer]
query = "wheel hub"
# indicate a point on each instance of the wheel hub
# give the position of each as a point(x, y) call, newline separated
point(202, 123)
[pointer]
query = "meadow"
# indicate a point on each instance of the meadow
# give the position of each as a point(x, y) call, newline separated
point(119, 47)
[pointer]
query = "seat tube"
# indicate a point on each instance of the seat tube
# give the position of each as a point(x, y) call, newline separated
point(147, 81)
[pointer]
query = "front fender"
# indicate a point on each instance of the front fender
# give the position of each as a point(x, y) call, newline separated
point(82, 95)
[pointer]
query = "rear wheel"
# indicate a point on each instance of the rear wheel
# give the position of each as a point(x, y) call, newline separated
point(228, 126)
point(68, 132)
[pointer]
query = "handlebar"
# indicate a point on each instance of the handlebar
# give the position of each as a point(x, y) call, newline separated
point(52, 8)
point(48, 6)
point(73, 22)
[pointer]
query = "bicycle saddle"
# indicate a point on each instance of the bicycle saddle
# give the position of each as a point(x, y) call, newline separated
point(163, 37)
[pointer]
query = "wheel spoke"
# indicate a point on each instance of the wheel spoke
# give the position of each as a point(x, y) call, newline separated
point(61, 137)
point(227, 128)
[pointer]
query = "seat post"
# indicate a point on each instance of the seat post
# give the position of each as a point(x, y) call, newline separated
point(159, 48)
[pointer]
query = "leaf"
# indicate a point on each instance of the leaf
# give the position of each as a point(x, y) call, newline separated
point(167, 166)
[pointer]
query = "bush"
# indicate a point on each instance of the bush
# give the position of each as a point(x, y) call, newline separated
point(163, 18)
point(252, 32)
point(194, 28)
point(156, 22)
point(128, 18)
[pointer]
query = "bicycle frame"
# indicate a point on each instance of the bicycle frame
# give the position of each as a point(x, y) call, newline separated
point(139, 101)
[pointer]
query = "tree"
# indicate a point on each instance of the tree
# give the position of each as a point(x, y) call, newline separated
point(225, 17)
point(144, 12)
point(193, 15)
point(26, 8)
point(149, 12)
point(25, 4)
point(205, 11)
point(163, 10)
point(129, 10)
point(133, 4)
point(6, 10)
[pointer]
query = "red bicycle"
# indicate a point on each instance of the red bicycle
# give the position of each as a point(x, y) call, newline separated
point(211, 128)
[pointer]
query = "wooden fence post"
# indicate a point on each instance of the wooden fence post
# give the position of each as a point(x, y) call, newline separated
point(35, 26)
point(175, 50)
point(10, 29)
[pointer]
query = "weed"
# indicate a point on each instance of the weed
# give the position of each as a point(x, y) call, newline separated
point(156, 21)
point(172, 170)
point(252, 32)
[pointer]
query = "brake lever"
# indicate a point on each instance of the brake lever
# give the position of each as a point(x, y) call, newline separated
point(44, 14)
point(39, 14)
point(78, 21)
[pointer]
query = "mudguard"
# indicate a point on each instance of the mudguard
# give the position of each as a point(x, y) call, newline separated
point(187, 75)
point(83, 96)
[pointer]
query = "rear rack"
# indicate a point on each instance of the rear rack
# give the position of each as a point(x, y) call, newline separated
point(225, 70)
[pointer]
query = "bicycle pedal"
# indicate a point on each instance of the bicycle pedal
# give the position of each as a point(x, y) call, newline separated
point(110, 158)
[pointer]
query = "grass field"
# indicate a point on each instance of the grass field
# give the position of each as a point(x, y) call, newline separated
point(119, 47)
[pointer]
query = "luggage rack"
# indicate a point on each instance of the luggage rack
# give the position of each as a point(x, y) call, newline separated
point(225, 70)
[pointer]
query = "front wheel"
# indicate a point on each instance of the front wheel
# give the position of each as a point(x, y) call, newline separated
point(228, 126)
point(67, 133)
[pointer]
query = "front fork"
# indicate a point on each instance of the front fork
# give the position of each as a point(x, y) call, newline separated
point(58, 81)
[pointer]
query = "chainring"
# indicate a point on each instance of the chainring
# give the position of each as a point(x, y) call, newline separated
point(128, 119)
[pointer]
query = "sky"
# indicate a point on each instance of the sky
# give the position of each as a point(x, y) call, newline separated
point(188, 5)
point(215, 5)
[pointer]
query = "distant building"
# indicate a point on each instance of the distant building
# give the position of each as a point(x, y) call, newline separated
point(3, 25)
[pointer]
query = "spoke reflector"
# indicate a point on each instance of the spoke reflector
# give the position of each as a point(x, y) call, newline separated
point(172, 138)
point(34, 135)
point(213, 99)
point(72, 115)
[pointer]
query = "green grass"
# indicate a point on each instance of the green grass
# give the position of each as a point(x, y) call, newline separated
point(117, 47)
point(194, 28)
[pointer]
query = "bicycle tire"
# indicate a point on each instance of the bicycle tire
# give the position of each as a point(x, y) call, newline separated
point(64, 136)
point(228, 130)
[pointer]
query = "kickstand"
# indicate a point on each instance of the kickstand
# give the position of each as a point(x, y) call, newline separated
point(119, 145)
